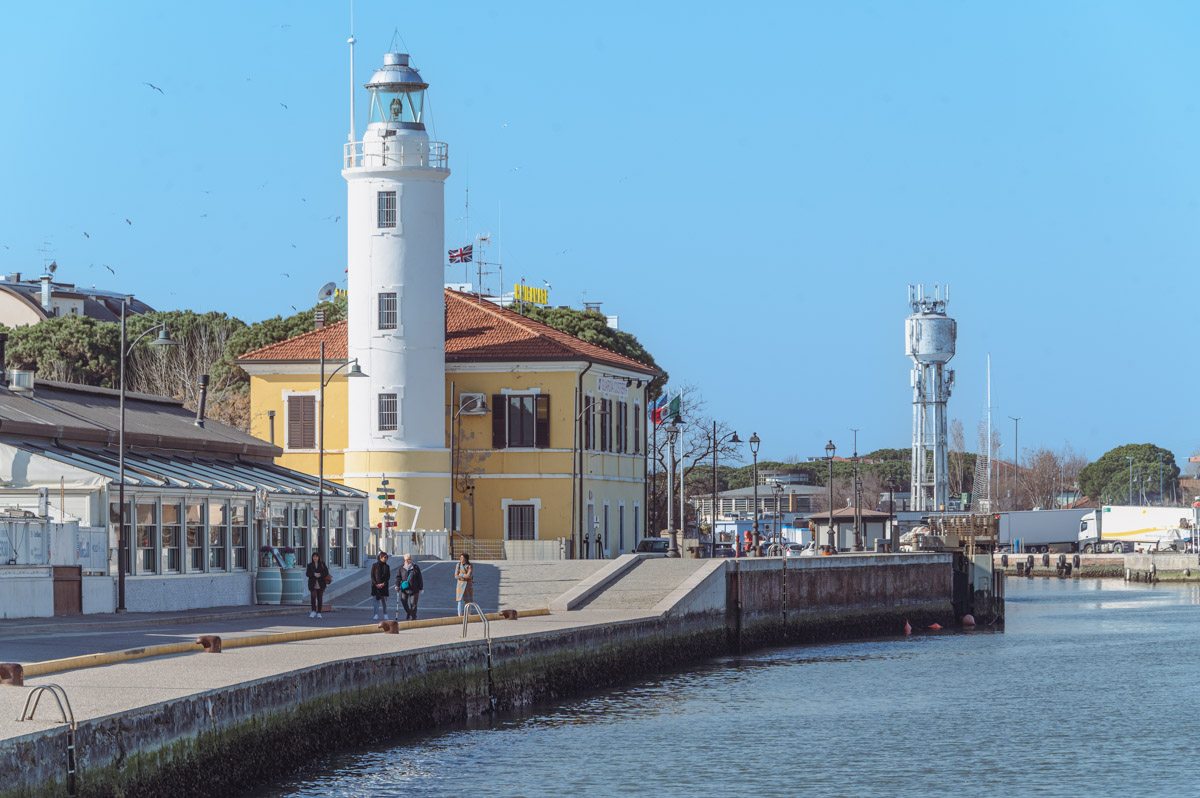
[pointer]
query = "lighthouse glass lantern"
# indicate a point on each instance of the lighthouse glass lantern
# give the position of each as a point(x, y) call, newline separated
point(397, 94)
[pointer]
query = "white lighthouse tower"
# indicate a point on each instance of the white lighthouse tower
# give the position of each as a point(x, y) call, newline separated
point(929, 336)
point(395, 224)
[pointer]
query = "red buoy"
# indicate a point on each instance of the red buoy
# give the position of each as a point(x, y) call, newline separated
point(907, 627)
point(968, 621)
point(935, 626)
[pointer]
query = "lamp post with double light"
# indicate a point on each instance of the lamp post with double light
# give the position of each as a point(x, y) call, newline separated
point(755, 551)
point(672, 430)
point(163, 339)
point(353, 371)
point(712, 523)
point(829, 451)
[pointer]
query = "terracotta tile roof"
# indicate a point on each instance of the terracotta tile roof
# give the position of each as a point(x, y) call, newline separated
point(475, 331)
point(306, 346)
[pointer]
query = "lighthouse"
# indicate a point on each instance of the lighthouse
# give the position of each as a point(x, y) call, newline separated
point(395, 218)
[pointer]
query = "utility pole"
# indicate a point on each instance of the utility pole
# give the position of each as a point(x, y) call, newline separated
point(858, 536)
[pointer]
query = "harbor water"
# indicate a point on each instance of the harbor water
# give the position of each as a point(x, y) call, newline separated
point(1090, 690)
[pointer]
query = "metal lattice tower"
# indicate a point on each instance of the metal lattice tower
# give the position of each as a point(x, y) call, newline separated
point(929, 341)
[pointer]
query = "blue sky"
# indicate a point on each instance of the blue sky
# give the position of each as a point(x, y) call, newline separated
point(750, 188)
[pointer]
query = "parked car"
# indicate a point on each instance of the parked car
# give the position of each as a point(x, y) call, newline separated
point(725, 550)
point(797, 550)
point(653, 546)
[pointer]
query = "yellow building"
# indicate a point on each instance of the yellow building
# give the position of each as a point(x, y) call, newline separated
point(545, 434)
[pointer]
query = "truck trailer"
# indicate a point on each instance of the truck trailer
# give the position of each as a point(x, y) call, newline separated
point(1038, 531)
point(1122, 529)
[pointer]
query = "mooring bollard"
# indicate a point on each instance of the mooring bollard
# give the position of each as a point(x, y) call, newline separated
point(12, 673)
point(211, 643)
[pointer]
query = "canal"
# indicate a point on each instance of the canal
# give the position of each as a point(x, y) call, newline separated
point(1090, 690)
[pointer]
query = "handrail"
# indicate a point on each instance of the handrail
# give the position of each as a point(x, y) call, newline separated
point(487, 632)
point(382, 153)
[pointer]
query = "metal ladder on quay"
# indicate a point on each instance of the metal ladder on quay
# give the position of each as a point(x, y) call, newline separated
point(68, 717)
point(487, 634)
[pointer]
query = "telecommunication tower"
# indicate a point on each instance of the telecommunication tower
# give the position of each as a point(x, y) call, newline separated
point(929, 336)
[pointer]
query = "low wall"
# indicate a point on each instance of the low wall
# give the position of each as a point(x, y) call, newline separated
point(26, 591)
point(1167, 567)
point(188, 591)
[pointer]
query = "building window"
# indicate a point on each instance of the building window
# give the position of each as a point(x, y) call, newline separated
point(239, 533)
point(637, 513)
point(353, 535)
point(301, 422)
point(621, 526)
point(387, 311)
point(520, 421)
point(606, 527)
point(172, 537)
point(606, 425)
point(520, 521)
point(195, 537)
point(637, 429)
point(279, 524)
point(589, 408)
point(147, 537)
point(388, 413)
point(218, 526)
point(300, 533)
point(335, 531)
point(621, 408)
point(387, 208)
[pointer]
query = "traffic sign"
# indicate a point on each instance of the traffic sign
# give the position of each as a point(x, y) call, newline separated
point(386, 497)
point(387, 510)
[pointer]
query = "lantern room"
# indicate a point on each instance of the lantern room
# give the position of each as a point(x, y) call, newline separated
point(397, 94)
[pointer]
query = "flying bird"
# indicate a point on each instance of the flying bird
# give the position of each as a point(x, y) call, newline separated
point(128, 222)
point(293, 246)
point(204, 216)
point(156, 88)
point(85, 235)
point(336, 219)
point(547, 284)
point(285, 274)
point(110, 268)
point(284, 106)
point(516, 168)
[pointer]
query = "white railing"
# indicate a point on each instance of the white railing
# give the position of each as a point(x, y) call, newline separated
point(426, 542)
point(385, 153)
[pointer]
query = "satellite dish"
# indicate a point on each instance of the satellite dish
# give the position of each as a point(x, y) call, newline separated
point(53, 266)
point(326, 292)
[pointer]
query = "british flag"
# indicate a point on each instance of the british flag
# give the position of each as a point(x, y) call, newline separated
point(461, 255)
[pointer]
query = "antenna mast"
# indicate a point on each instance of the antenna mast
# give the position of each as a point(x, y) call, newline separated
point(351, 42)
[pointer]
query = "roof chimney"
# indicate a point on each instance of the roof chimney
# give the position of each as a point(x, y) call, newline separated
point(203, 399)
point(14, 277)
point(46, 292)
point(318, 320)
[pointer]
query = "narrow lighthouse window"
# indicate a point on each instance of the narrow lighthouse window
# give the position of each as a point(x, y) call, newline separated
point(387, 208)
point(387, 311)
point(388, 412)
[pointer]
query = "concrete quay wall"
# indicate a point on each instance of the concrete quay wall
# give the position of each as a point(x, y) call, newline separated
point(226, 740)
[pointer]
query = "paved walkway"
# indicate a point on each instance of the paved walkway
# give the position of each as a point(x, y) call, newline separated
point(645, 584)
point(123, 687)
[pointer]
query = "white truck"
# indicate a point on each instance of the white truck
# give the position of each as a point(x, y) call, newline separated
point(1039, 531)
point(1123, 529)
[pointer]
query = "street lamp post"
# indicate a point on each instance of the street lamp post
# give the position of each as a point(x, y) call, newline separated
point(829, 450)
point(353, 371)
point(858, 537)
point(672, 431)
point(754, 444)
point(163, 339)
point(778, 488)
point(712, 522)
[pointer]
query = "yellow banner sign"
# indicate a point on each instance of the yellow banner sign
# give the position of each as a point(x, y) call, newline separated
point(527, 293)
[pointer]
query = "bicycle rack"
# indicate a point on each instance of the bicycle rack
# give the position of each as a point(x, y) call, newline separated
point(68, 717)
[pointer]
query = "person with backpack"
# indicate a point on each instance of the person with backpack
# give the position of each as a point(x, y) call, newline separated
point(410, 586)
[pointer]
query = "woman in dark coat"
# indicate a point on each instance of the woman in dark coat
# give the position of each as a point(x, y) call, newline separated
point(410, 585)
point(317, 571)
point(381, 574)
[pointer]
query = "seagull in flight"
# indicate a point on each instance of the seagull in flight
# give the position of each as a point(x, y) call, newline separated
point(285, 274)
point(156, 88)
point(547, 284)
point(284, 106)
point(85, 235)
point(110, 268)
point(128, 222)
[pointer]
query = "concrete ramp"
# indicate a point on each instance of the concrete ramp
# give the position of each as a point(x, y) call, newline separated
point(645, 585)
point(499, 584)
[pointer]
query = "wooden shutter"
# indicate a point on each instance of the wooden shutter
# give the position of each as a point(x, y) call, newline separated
point(637, 430)
point(301, 422)
point(499, 421)
point(541, 424)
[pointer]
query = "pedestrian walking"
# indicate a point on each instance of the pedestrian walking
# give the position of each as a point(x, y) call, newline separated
point(318, 578)
point(464, 578)
point(381, 575)
point(410, 586)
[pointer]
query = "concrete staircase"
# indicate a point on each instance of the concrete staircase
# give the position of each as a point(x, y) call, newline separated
point(644, 585)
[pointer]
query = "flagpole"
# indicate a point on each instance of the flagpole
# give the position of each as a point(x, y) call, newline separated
point(654, 480)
